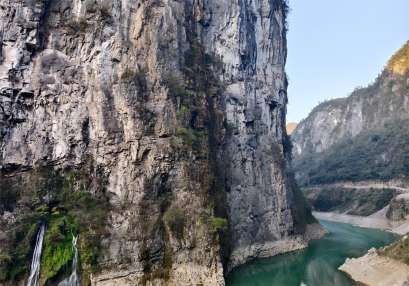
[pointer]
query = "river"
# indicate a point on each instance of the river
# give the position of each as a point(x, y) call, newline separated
point(315, 266)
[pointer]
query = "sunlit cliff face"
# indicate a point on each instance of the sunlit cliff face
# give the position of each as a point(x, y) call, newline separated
point(399, 63)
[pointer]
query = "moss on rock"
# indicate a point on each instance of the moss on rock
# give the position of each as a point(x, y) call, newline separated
point(61, 199)
point(58, 251)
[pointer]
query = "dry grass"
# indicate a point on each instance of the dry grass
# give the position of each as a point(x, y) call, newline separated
point(398, 250)
point(399, 63)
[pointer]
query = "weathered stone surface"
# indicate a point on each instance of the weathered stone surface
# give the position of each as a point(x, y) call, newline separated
point(386, 100)
point(399, 208)
point(180, 103)
point(362, 137)
point(376, 270)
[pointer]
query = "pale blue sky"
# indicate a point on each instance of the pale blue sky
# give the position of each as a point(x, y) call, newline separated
point(335, 46)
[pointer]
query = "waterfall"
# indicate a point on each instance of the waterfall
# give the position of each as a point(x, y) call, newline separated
point(74, 279)
point(35, 263)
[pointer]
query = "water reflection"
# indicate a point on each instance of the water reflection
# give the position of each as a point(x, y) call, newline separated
point(315, 266)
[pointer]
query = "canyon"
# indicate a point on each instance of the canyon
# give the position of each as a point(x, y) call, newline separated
point(369, 129)
point(151, 131)
point(351, 158)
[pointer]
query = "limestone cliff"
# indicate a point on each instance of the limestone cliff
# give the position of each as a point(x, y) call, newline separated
point(351, 154)
point(369, 129)
point(155, 130)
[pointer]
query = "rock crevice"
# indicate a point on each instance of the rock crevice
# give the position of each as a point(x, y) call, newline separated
point(179, 105)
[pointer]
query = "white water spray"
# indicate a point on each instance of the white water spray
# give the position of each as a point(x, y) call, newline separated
point(35, 263)
point(74, 279)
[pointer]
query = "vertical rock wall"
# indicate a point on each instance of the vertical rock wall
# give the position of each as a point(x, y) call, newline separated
point(250, 37)
point(178, 103)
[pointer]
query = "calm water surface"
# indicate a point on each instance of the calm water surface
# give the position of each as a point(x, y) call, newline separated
point(315, 266)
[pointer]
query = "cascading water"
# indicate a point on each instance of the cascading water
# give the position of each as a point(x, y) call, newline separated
point(74, 279)
point(35, 263)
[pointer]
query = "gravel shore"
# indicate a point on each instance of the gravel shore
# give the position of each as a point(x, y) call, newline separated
point(375, 270)
point(376, 220)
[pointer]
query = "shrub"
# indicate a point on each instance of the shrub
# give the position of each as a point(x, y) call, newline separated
point(183, 112)
point(189, 135)
point(398, 250)
point(175, 86)
point(218, 224)
point(175, 219)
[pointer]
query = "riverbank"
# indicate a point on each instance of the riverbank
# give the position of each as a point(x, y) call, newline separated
point(376, 221)
point(313, 231)
point(316, 265)
point(375, 270)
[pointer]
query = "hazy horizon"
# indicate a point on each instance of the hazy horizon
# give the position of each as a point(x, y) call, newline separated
point(350, 50)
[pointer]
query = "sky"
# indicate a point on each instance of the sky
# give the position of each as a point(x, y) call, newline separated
point(336, 46)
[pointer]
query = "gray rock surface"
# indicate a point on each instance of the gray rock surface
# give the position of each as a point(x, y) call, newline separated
point(358, 138)
point(343, 118)
point(385, 100)
point(111, 80)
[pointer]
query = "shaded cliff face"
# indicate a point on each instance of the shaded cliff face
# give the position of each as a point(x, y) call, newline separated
point(164, 119)
point(359, 126)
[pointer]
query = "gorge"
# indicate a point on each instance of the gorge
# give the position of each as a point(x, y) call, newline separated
point(144, 142)
point(152, 130)
point(351, 161)
point(370, 129)
point(316, 265)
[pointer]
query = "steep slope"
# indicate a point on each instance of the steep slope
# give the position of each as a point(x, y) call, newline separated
point(351, 156)
point(369, 129)
point(155, 130)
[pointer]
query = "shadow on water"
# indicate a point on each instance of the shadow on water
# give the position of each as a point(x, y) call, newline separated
point(315, 266)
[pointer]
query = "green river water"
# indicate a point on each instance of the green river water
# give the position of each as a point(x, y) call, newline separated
point(315, 266)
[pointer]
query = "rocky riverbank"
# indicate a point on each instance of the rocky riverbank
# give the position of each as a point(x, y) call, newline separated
point(374, 221)
point(313, 231)
point(376, 270)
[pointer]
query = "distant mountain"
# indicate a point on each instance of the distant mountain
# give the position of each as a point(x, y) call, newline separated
point(361, 137)
point(351, 155)
point(291, 127)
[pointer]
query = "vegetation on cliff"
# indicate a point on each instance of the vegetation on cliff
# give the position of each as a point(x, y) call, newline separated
point(380, 154)
point(398, 250)
point(362, 202)
point(61, 200)
point(361, 137)
point(198, 130)
point(399, 63)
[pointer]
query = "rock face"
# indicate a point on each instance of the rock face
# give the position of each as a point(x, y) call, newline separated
point(369, 129)
point(175, 109)
point(291, 127)
point(399, 207)
point(354, 201)
point(367, 108)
